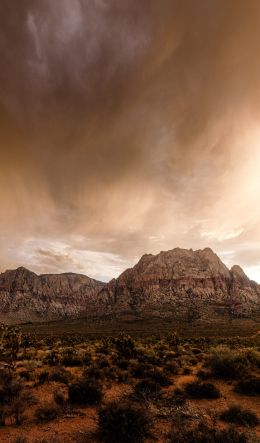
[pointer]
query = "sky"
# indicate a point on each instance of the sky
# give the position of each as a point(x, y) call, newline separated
point(128, 127)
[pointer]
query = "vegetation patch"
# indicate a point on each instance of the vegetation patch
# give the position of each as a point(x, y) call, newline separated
point(239, 416)
point(123, 423)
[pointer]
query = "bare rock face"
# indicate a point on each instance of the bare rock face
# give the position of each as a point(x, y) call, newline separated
point(182, 284)
point(25, 296)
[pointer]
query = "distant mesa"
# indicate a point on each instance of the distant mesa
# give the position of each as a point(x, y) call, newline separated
point(180, 284)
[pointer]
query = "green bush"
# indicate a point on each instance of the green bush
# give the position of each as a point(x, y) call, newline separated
point(123, 423)
point(235, 414)
point(140, 370)
point(147, 388)
point(206, 434)
point(20, 440)
point(60, 375)
point(12, 401)
point(125, 346)
point(158, 376)
point(198, 390)
point(186, 371)
point(249, 386)
point(43, 377)
point(47, 412)
point(228, 364)
point(85, 392)
point(60, 400)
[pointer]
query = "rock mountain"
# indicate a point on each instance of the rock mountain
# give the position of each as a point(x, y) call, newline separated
point(25, 296)
point(182, 284)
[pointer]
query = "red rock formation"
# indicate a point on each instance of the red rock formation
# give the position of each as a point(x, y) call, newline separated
point(183, 284)
point(180, 284)
point(25, 296)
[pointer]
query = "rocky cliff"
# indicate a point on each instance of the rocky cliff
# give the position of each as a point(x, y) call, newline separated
point(25, 296)
point(183, 284)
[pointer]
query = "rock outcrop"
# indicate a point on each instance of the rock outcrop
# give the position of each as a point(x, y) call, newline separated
point(183, 284)
point(25, 296)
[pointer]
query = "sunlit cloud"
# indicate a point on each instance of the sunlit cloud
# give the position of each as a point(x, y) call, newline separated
point(128, 128)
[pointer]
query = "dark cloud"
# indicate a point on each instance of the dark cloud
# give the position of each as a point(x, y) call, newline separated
point(130, 125)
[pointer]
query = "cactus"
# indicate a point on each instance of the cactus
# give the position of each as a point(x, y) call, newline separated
point(125, 346)
point(10, 343)
point(173, 339)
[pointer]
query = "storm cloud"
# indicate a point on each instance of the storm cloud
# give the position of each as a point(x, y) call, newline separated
point(128, 127)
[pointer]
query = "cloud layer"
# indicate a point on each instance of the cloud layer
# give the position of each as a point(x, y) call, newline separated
point(128, 127)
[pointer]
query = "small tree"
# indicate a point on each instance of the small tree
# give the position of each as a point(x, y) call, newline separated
point(193, 313)
point(10, 343)
point(125, 346)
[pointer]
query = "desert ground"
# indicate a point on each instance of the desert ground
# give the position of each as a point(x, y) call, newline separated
point(157, 387)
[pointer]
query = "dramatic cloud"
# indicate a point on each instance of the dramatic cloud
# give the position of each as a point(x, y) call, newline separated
point(128, 127)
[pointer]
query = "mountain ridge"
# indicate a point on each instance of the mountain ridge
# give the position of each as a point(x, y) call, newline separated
point(182, 284)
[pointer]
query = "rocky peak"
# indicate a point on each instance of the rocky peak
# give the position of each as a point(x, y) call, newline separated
point(181, 283)
point(241, 280)
point(238, 271)
point(178, 262)
point(25, 295)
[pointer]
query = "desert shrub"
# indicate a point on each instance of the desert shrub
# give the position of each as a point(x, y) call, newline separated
point(20, 439)
point(140, 370)
point(71, 362)
point(122, 363)
point(43, 377)
point(173, 339)
point(18, 406)
point(203, 375)
point(121, 376)
point(25, 375)
point(123, 423)
point(249, 386)
point(158, 376)
point(60, 399)
point(176, 398)
point(50, 439)
point(179, 400)
point(93, 372)
point(70, 358)
point(60, 375)
point(85, 392)
point(235, 414)
point(172, 368)
point(149, 359)
point(53, 358)
point(105, 346)
point(198, 390)
point(125, 346)
point(12, 398)
point(147, 388)
point(253, 357)
point(86, 359)
point(10, 387)
point(196, 351)
point(10, 343)
point(103, 363)
point(228, 364)
point(47, 412)
point(205, 434)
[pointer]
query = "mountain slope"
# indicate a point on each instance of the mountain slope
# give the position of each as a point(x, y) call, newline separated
point(183, 284)
point(25, 296)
